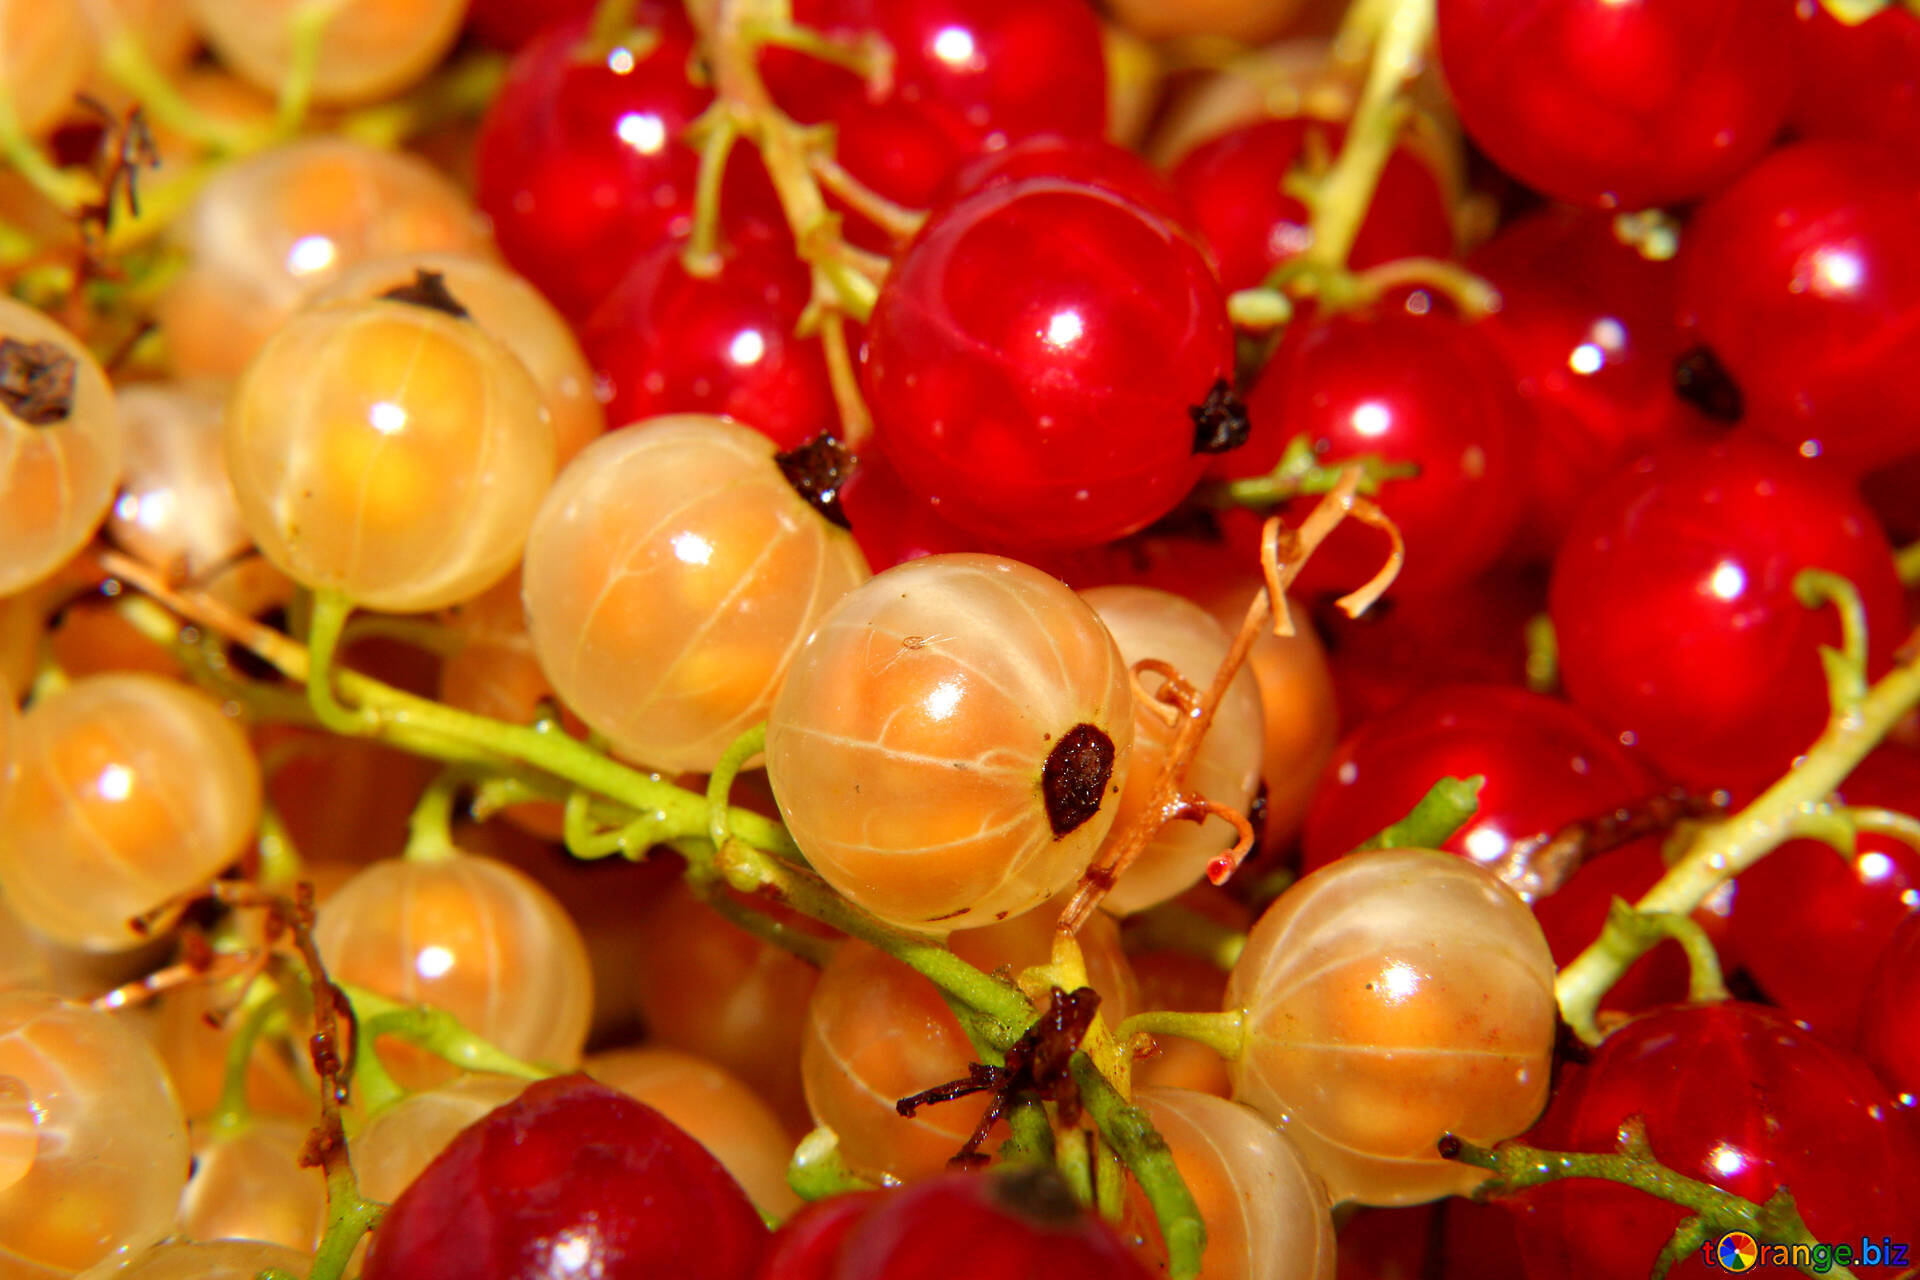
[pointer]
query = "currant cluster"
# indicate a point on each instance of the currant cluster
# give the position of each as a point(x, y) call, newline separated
point(838, 639)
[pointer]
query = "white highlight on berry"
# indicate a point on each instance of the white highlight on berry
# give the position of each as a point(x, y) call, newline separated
point(644, 132)
point(1729, 580)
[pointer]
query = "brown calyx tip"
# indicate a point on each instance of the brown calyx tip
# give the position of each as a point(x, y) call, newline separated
point(36, 381)
point(817, 470)
point(1220, 422)
point(428, 289)
point(1703, 382)
point(1075, 778)
point(1037, 1193)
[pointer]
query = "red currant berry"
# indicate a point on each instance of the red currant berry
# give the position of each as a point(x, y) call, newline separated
point(1476, 634)
point(570, 1178)
point(1017, 1223)
point(1574, 914)
point(1861, 81)
point(1617, 105)
point(1586, 328)
point(1890, 1013)
point(1234, 183)
point(1420, 388)
point(969, 76)
point(891, 523)
point(1546, 765)
point(1839, 911)
point(1092, 162)
point(1804, 279)
point(1039, 360)
point(1735, 1095)
point(1453, 1239)
point(665, 341)
point(508, 24)
point(581, 163)
point(807, 1245)
point(1673, 604)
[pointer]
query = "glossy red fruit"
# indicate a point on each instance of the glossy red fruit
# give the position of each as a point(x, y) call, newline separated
point(891, 523)
point(1018, 1224)
point(570, 1178)
point(581, 163)
point(1454, 1239)
point(1621, 105)
point(665, 341)
point(1861, 81)
point(808, 1244)
point(1839, 911)
point(1735, 1095)
point(1587, 332)
point(968, 76)
point(1234, 183)
point(1035, 359)
point(1890, 1013)
point(1672, 600)
point(1476, 634)
point(1546, 765)
point(508, 24)
point(1406, 387)
point(1804, 279)
point(1092, 162)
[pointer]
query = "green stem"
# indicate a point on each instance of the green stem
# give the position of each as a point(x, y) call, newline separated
point(1259, 309)
point(1634, 933)
point(812, 948)
point(348, 1218)
point(1073, 1158)
point(1448, 806)
point(1543, 654)
point(306, 29)
point(1109, 1182)
point(1474, 297)
point(1342, 198)
point(1846, 667)
point(66, 189)
point(1224, 1032)
point(716, 133)
point(1516, 1167)
point(1301, 473)
point(280, 863)
point(232, 1113)
point(720, 782)
point(1721, 850)
point(1907, 561)
point(612, 19)
point(436, 1031)
point(125, 59)
point(1144, 1152)
point(430, 828)
point(1031, 1138)
point(818, 1169)
point(328, 626)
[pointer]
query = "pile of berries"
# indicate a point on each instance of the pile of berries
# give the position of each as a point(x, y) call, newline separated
point(929, 639)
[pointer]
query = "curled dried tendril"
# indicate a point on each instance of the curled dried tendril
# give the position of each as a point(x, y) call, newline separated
point(1284, 552)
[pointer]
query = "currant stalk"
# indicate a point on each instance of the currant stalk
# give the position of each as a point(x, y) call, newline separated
point(1720, 850)
point(1516, 1166)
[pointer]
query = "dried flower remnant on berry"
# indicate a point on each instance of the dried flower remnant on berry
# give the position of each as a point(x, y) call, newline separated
point(1075, 777)
point(1220, 422)
point(428, 289)
point(817, 470)
point(1703, 382)
point(1039, 1063)
point(36, 381)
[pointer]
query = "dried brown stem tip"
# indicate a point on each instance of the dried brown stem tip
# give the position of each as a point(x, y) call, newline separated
point(36, 381)
point(428, 289)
